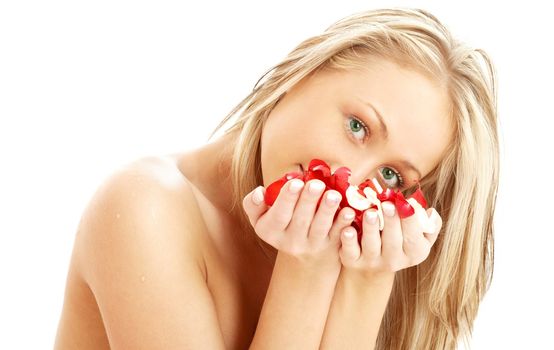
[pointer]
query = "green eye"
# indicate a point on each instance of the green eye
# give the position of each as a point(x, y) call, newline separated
point(356, 126)
point(388, 176)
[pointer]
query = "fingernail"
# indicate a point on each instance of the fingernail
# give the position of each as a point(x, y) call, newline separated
point(348, 216)
point(349, 233)
point(388, 208)
point(432, 221)
point(371, 216)
point(433, 216)
point(332, 198)
point(295, 186)
point(316, 187)
point(258, 196)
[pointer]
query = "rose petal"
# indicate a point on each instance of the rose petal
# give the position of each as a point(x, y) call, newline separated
point(272, 191)
point(387, 195)
point(339, 182)
point(418, 196)
point(318, 165)
point(368, 194)
point(368, 183)
point(378, 187)
point(402, 206)
point(427, 225)
point(372, 196)
point(355, 199)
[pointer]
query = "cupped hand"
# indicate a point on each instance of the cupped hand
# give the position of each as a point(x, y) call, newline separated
point(401, 244)
point(294, 224)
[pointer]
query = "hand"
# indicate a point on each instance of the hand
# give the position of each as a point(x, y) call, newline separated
point(402, 243)
point(294, 227)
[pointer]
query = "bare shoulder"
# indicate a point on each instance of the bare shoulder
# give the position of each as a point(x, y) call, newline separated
point(148, 195)
point(140, 254)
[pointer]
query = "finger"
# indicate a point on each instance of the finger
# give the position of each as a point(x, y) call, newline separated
point(371, 238)
point(278, 216)
point(414, 244)
point(254, 204)
point(350, 249)
point(343, 220)
point(437, 220)
point(391, 238)
point(323, 219)
point(305, 208)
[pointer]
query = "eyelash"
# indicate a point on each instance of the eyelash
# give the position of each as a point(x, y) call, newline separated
point(347, 127)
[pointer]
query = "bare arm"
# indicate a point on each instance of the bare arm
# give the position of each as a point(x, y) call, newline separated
point(296, 307)
point(356, 311)
point(367, 275)
point(138, 252)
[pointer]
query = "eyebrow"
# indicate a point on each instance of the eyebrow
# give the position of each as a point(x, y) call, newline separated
point(385, 135)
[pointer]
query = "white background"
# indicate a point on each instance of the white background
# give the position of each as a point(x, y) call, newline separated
point(86, 87)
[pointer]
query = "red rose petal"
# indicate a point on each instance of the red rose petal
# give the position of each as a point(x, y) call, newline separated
point(367, 183)
point(386, 195)
point(319, 169)
point(403, 207)
point(321, 166)
point(418, 196)
point(273, 190)
point(339, 182)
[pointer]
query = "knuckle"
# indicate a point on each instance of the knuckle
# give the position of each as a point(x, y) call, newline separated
point(390, 266)
point(280, 219)
point(373, 264)
point(301, 222)
point(410, 239)
point(297, 251)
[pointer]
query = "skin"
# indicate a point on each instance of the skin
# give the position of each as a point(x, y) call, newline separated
point(305, 237)
point(308, 249)
point(315, 114)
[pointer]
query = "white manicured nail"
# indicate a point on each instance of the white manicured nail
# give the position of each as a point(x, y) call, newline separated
point(349, 234)
point(388, 208)
point(371, 216)
point(432, 221)
point(258, 196)
point(332, 198)
point(316, 187)
point(348, 216)
point(295, 186)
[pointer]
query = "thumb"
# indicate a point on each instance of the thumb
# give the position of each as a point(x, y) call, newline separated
point(436, 220)
point(254, 204)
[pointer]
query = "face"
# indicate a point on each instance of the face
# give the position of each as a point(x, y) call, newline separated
point(377, 122)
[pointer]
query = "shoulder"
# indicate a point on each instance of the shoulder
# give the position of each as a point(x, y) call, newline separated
point(147, 201)
point(139, 253)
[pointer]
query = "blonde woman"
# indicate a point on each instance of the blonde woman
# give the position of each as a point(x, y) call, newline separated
point(181, 252)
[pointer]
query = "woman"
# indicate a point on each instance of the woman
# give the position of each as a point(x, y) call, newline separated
point(175, 252)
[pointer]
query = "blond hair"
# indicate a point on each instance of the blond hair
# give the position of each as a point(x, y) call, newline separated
point(433, 304)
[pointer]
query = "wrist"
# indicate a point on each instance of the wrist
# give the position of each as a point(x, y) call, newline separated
point(382, 279)
point(324, 270)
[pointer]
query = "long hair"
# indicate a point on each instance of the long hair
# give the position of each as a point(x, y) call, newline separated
point(432, 305)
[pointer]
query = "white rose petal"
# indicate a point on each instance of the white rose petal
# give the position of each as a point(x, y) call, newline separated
point(372, 196)
point(427, 223)
point(355, 199)
point(377, 186)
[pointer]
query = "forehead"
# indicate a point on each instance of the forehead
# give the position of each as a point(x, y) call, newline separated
point(415, 108)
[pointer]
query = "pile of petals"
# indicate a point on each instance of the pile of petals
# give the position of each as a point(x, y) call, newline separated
point(367, 195)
